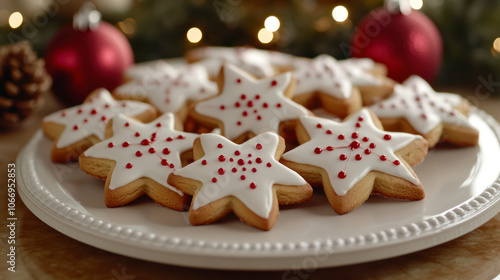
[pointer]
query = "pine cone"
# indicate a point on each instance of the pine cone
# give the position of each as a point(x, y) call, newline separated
point(23, 79)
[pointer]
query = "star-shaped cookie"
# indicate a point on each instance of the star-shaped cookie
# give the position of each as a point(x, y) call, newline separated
point(322, 79)
point(77, 128)
point(246, 179)
point(355, 158)
point(247, 106)
point(136, 158)
point(249, 59)
point(170, 89)
point(416, 108)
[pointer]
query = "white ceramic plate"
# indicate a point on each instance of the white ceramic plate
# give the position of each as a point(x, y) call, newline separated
point(462, 192)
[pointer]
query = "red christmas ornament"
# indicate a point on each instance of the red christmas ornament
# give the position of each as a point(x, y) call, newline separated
point(88, 55)
point(405, 40)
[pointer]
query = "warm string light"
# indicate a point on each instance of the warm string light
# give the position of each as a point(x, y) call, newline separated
point(496, 45)
point(340, 13)
point(15, 20)
point(128, 27)
point(416, 4)
point(194, 35)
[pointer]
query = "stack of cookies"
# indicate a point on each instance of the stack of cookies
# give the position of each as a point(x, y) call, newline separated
point(242, 130)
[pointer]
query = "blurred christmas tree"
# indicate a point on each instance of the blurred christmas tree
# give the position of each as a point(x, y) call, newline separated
point(157, 29)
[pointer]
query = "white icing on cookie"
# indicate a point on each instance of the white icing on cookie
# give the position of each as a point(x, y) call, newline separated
point(321, 74)
point(246, 58)
point(169, 88)
point(247, 172)
point(150, 150)
point(348, 151)
point(424, 109)
point(91, 117)
point(246, 104)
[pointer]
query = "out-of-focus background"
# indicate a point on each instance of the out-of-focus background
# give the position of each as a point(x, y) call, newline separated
point(159, 29)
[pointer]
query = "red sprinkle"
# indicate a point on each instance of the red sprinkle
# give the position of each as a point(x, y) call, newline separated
point(274, 83)
point(383, 157)
point(169, 139)
point(222, 107)
point(152, 150)
point(93, 112)
point(354, 145)
point(166, 151)
point(158, 125)
point(342, 175)
point(342, 157)
point(238, 81)
point(222, 158)
point(243, 177)
point(245, 113)
point(241, 161)
point(365, 139)
point(234, 170)
point(360, 119)
point(372, 146)
point(214, 180)
point(354, 135)
point(243, 97)
point(237, 153)
point(319, 125)
point(358, 157)
point(329, 148)
point(204, 162)
point(127, 124)
point(111, 145)
point(341, 137)
point(238, 123)
point(138, 153)
point(221, 171)
point(269, 164)
point(129, 165)
point(278, 105)
point(75, 127)
point(257, 97)
point(367, 152)
point(164, 162)
point(125, 144)
point(258, 146)
point(145, 142)
point(220, 146)
point(137, 134)
point(318, 150)
point(397, 162)
point(265, 105)
point(387, 137)
point(329, 132)
point(254, 169)
point(171, 165)
point(250, 104)
point(258, 160)
point(253, 185)
point(237, 104)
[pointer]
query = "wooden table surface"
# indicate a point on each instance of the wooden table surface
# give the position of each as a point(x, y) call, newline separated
point(44, 253)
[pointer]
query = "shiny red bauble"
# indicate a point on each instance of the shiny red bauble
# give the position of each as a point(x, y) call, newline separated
point(406, 44)
point(81, 61)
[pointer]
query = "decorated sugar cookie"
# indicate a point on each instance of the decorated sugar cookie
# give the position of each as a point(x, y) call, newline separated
point(371, 87)
point(416, 108)
point(137, 158)
point(170, 89)
point(355, 158)
point(246, 179)
point(322, 79)
point(246, 58)
point(247, 106)
point(365, 64)
point(77, 128)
